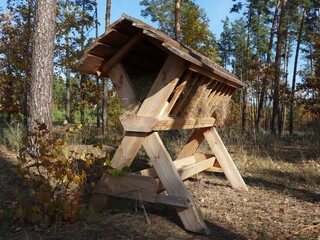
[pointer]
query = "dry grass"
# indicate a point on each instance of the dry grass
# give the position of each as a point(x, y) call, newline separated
point(283, 201)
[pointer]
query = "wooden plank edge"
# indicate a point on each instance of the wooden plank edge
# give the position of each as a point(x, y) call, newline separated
point(134, 123)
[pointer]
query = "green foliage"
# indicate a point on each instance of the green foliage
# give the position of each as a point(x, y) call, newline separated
point(195, 31)
point(59, 93)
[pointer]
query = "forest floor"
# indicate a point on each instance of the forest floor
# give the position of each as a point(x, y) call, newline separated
point(283, 201)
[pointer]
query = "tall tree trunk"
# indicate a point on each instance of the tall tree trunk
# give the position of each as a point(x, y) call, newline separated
point(105, 82)
point(296, 58)
point(40, 98)
point(264, 83)
point(244, 91)
point(97, 78)
point(82, 76)
point(28, 55)
point(275, 108)
point(68, 99)
point(283, 108)
point(177, 20)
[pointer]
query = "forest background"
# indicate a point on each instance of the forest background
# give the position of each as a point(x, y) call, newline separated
point(258, 42)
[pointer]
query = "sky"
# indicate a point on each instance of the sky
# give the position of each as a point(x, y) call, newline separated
point(216, 11)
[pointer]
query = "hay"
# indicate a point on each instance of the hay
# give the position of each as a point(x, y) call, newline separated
point(199, 107)
point(221, 111)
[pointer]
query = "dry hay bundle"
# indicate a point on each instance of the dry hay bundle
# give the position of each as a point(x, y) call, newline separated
point(221, 111)
point(200, 107)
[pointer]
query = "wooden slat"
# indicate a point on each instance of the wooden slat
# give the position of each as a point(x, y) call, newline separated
point(193, 143)
point(123, 51)
point(89, 64)
point(214, 169)
point(127, 184)
point(218, 97)
point(177, 93)
point(169, 176)
point(125, 89)
point(214, 88)
point(193, 169)
point(185, 94)
point(219, 76)
point(177, 163)
point(148, 124)
point(163, 86)
point(137, 187)
point(224, 159)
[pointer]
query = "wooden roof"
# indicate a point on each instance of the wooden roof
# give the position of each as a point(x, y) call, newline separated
point(143, 48)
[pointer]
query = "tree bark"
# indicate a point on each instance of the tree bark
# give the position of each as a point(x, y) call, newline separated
point(97, 78)
point(105, 82)
point(41, 86)
point(177, 20)
point(68, 99)
point(295, 71)
point(275, 108)
point(27, 54)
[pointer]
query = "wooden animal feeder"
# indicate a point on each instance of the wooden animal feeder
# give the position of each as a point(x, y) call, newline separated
point(163, 85)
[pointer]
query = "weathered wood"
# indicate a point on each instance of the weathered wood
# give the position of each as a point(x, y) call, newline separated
point(128, 149)
point(193, 169)
point(173, 201)
point(127, 184)
point(152, 106)
point(219, 76)
point(185, 94)
point(137, 187)
point(125, 49)
point(193, 143)
point(163, 86)
point(183, 165)
point(204, 85)
point(125, 89)
point(177, 93)
point(218, 97)
point(148, 124)
point(214, 169)
point(169, 176)
point(224, 159)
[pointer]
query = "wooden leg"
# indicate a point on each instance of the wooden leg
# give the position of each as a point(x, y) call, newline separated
point(224, 159)
point(127, 150)
point(169, 176)
point(124, 156)
point(193, 143)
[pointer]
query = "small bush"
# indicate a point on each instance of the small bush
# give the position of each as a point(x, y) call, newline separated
point(12, 136)
point(56, 179)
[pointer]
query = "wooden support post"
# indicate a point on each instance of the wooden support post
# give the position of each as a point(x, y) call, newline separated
point(224, 159)
point(193, 143)
point(169, 176)
point(125, 89)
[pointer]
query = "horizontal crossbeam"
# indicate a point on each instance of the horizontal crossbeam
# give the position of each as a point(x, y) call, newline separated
point(133, 123)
